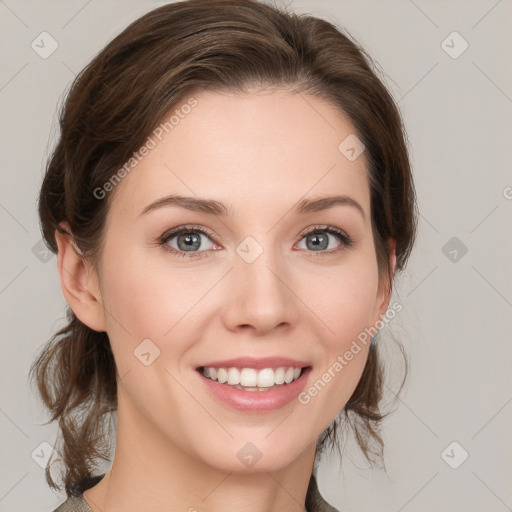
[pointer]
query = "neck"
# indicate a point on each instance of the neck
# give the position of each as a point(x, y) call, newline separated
point(152, 474)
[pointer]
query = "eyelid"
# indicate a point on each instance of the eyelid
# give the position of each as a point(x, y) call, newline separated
point(345, 240)
point(180, 229)
point(322, 227)
point(163, 240)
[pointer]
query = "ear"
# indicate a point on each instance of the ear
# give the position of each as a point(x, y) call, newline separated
point(79, 282)
point(384, 290)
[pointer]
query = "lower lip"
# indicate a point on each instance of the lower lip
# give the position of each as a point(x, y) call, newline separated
point(257, 401)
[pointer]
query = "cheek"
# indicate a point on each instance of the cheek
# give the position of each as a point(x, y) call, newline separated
point(345, 299)
point(144, 300)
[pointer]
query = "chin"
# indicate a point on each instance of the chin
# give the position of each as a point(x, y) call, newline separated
point(246, 457)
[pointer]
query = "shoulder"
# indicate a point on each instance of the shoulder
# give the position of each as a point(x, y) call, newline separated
point(75, 501)
point(314, 500)
point(74, 504)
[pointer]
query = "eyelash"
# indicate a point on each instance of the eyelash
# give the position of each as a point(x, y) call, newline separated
point(346, 241)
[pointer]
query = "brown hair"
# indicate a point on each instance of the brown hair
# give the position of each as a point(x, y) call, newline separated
point(112, 107)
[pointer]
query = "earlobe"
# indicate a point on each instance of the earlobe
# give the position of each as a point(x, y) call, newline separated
point(79, 282)
point(385, 286)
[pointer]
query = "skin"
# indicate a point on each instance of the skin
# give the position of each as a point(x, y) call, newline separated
point(259, 153)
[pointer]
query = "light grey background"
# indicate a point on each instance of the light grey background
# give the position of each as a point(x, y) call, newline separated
point(456, 321)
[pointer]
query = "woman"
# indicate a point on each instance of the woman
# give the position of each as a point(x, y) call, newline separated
point(230, 200)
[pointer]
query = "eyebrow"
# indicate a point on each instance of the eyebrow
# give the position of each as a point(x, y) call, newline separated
point(212, 207)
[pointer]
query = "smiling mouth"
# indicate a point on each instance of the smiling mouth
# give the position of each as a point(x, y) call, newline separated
point(250, 379)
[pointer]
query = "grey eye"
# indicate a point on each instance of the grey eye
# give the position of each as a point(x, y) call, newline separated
point(319, 241)
point(188, 241)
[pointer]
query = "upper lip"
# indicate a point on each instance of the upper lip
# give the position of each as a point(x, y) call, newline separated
point(256, 363)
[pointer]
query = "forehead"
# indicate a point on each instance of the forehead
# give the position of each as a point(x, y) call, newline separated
point(253, 148)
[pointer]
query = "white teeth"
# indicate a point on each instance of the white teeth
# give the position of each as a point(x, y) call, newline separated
point(222, 375)
point(288, 376)
point(265, 378)
point(248, 376)
point(279, 376)
point(251, 378)
point(233, 377)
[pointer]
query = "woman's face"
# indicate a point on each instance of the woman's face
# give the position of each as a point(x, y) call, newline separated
point(256, 284)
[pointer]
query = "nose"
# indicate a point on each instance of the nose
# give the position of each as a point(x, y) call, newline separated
point(259, 296)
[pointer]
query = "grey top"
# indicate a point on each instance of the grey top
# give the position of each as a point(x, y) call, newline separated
point(314, 500)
